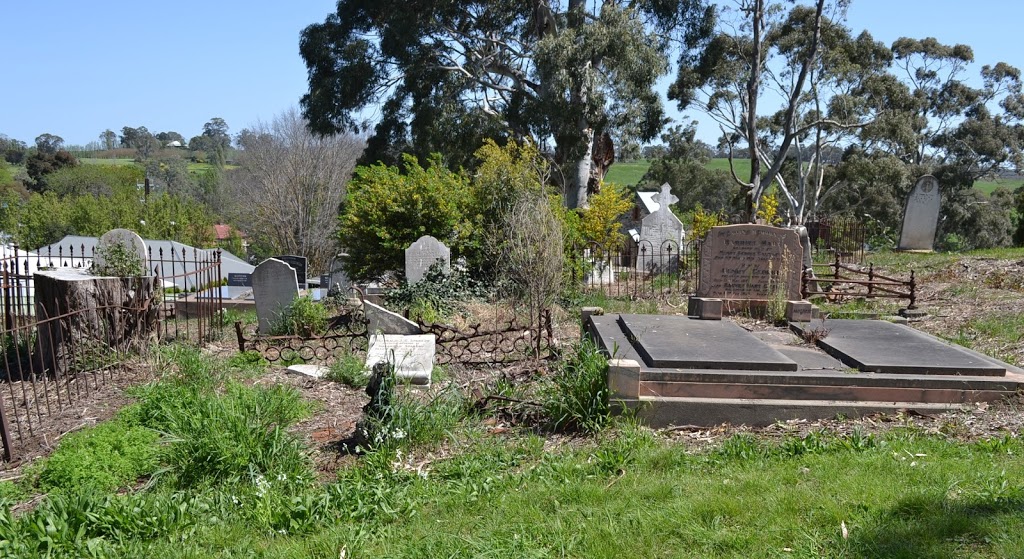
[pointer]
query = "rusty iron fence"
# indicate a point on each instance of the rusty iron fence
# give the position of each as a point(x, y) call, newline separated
point(53, 361)
point(508, 343)
point(348, 334)
point(638, 270)
point(841, 281)
point(838, 236)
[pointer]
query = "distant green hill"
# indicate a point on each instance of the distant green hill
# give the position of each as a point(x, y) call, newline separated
point(631, 172)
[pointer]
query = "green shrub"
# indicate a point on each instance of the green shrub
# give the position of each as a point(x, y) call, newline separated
point(302, 317)
point(577, 397)
point(436, 296)
point(388, 209)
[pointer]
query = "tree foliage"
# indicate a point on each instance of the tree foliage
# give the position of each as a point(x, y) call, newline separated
point(448, 73)
point(389, 208)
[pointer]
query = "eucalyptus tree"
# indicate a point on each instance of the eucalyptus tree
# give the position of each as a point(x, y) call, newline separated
point(443, 74)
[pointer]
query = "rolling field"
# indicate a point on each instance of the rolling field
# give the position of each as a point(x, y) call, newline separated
point(630, 173)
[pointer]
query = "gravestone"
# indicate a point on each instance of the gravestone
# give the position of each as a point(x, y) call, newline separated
point(337, 275)
point(120, 252)
point(750, 262)
point(274, 287)
point(921, 215)
point(422, 254)
point(382, 321)
point(299, 263)
point(661, 236)
point(412, 356)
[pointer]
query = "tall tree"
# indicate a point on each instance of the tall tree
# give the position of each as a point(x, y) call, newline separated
point(289, 186)
point(108, 138)
point(442, 70)
point(218, 141)
point(49, 143)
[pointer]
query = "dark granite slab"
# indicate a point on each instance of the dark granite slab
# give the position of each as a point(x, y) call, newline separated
point(882, 347)
point(682, 342)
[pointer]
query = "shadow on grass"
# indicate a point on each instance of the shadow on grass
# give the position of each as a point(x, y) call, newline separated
point(934, 527)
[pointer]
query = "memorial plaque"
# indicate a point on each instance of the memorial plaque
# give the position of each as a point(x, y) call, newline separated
point(412, 356)
point(239, 280)
point(921, 215)
point(754, 262)
point(299, 264)
point(422, 254)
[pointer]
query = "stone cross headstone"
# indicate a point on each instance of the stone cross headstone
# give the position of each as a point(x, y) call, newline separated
point(422, 254)
point(412, 356)
point(274, 287)
point(120, 252)
point(921, 215)
point(661, 235)
point(299, 263)
point(750, 262)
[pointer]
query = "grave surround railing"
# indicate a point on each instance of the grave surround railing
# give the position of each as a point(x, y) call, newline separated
point(42, 381)
point(638, 271)
point(856, 281)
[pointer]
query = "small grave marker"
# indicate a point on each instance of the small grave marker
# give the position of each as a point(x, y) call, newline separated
point(239, 280)
point(274, 287)
point(422, 254)
point(921, 215)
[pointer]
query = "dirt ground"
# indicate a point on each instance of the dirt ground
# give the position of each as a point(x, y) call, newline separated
point(953, 294)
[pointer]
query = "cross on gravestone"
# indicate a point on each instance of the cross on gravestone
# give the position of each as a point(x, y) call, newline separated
point(120, 252)
point(661, 235)
point(274, 286)
point(921, 215)
point(422, 254)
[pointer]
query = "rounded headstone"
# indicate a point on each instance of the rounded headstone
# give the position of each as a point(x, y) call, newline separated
point(107, 243)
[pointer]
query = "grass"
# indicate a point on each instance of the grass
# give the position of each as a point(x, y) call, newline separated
point(104, 161)
point(232, 483)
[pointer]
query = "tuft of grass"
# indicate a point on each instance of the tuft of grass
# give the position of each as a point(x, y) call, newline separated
point(577, 397)
point(349, 370)
point(102, 458)
point(302, 317)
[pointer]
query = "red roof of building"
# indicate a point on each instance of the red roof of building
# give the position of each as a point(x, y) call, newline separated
point(223, 231)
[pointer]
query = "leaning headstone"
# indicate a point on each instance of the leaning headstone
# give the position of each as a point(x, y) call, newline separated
point(661, 236)
point(412, 356)
point(274, 287)
point(299, 263)
point(921, 215)
point(751, 262)
point(120, 252)
point(382, 321)
point(422, 254)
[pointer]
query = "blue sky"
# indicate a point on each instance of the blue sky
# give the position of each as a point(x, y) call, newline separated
point(76, 68)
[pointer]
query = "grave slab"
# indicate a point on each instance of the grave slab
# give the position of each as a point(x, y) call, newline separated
point(879, 346)
point(682, 342)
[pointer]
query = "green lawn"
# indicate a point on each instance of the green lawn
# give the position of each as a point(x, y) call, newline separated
point(629, 173)
point(105, 161)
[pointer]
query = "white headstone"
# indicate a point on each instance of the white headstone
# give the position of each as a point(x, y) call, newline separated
point(661, 235)
point(116, 245)
point(274, 287)
point(921, 215)
point(412, 356)
point(422, 254)
point(382, 321)
point(337, 274)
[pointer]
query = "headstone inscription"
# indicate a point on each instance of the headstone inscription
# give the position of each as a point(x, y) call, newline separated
point(239, 280)
point(120, 252)
point(750, 262)
point(412, 356)
point(661, 235)
point(422, 254)
point(299, 263)
point(921, 215)
point(274, 286)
